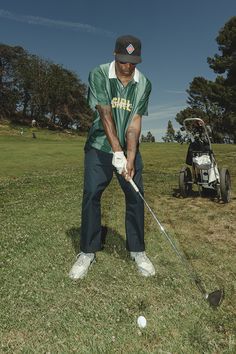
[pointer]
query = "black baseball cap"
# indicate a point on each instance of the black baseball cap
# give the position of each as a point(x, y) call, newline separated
point(128, 49)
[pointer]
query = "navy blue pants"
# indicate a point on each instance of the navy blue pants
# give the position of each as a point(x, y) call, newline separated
point(98, 173)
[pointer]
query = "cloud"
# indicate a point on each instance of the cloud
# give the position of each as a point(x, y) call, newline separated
point(42, 21)
point(158, 133)
point(178, 92)
point(158, 117)
point(163, 112)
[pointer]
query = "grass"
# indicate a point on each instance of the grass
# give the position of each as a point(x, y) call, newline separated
point(43, 311)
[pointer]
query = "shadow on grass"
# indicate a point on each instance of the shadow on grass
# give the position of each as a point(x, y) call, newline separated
point(176, 193)
point(209, 194)
point(111, 241)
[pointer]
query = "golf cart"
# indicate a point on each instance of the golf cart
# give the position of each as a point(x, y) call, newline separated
point(204, 172)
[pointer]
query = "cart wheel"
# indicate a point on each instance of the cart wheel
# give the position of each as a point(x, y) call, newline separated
point(185, 182)
point(225, 185)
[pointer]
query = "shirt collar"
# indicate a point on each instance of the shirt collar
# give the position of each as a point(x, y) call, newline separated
point(112, 72)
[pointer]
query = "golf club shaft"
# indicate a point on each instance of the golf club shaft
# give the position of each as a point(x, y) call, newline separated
point(183, 258)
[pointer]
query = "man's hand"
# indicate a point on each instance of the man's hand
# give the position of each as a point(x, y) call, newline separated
point(130, 170)
point(119, 161)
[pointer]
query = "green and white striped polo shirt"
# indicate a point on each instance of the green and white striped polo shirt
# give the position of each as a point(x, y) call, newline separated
point(106, 89)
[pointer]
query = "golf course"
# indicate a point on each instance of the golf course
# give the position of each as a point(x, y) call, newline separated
point(44, 311)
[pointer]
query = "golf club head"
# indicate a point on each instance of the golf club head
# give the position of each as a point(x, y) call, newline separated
point(215, 298)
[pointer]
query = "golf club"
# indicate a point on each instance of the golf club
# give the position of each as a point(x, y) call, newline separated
point(214, 298)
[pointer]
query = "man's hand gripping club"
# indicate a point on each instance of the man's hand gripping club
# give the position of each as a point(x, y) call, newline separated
point(123, 166)
point(119, 162)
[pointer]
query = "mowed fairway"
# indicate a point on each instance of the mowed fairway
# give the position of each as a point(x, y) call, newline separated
point(43, 311)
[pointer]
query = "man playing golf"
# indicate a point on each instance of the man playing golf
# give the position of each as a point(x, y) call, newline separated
point(119, 94)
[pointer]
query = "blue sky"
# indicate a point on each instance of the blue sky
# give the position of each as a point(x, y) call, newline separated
point(177, 37)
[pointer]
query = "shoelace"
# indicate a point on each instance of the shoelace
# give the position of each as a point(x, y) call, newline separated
point(82, 257)
point(142, 256)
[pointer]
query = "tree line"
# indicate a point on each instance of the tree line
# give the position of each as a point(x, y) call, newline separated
point(149, 138)
point(214, 101)
point(32, 88)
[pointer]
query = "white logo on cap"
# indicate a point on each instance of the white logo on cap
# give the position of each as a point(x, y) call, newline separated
point(130, 48)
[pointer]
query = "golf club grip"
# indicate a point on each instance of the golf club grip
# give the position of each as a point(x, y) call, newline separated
point(134, 185)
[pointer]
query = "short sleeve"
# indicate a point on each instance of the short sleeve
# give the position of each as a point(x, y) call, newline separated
point(142, 108)
point(97, 92)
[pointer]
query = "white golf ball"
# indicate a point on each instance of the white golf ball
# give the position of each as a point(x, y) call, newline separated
point(142, 322)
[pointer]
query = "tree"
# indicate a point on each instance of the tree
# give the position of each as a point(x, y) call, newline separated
point(67, 102)
point(9, 95)
point(170, 133)
point(190, 112)
point(179, 137)
point(226, 64)
point(204, 101)
point(34, 88)
point(215, 101)
point(148, 139)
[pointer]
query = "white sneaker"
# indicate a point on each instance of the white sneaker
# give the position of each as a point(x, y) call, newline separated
point(144, 264)
point(81, 266)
